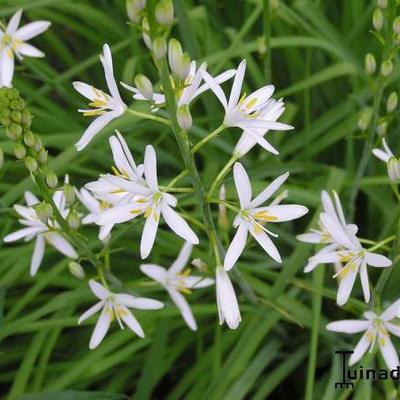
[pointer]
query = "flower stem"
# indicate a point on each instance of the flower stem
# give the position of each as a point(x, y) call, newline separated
point(148, 116)
point(220, 177)
point(209, 137)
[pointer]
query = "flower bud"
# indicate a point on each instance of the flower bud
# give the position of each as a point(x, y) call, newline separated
point(392, 102)
point(73, 220)
point(387, 68)
point(69, 193)
point(383, 3)
point(261, 45)
point(31, 164)
point(146, 30)
point(29, 139)
point(133, 9)
point(381, 129)
point(182, 72)
point(51, 180)
point(174, 54)
point(378, 19)
point(393, 168)
point(44, 211)
point(159, 47)
point(396, 25)
point(364, 119)
point(165, 12)
point(42, 156)
point(144, 85)
point(370, 64)
point(184, 117)
point(38, 144)
point(13, 131)
point(199, 264)
point(20, 151)
point(16, 116)
point(76, 270)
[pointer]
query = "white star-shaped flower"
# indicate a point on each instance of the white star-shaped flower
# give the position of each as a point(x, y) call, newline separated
point(115, 306)
point(251, 217)
point(255, 114)
point(177, 283)
point(150, 201)
point(13, 41)
point(392, 163)
point(106, 107)
point(377, 329)
point(43, 232)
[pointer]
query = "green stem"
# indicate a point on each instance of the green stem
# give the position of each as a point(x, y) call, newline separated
point(220, 177)
point(148, 116)
point(267, 37)
point(209, 137)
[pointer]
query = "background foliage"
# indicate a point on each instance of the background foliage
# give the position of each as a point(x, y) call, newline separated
point(313, 53)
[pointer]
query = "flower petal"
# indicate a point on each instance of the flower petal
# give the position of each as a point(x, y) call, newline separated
point(182, 259)
point(361, 347)
point(391, 312)
point(106, 60)
point(37, 255)
point(122, 156)
point(216, 88)
point(22, 233)
point(269, 190)
point(365, 282)
point(243, 185)
point(236, 247)
point(184, 308)
point(14, 22)
point(28, 50)
point(346, 285)
point(388, 351)
point(281, 212)
point(150, 167)
point(91, 311)
point(61, 244)
point(141, 303)
point(98, 289)
point(377, 260)
point(101, 328)
point(337, 232)
point(6, 67)
point(348, 326)
point(31, 30)
point(149, 233)
point(197, 282)
point(237, 86)
point(155, 272)
point(266, 243)
point(132, 322)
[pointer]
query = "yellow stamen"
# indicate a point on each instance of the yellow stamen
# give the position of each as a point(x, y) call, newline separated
point(264, 216)
point(251, 103)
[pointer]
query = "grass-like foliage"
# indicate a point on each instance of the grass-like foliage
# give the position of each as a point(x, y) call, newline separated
point(335, 65)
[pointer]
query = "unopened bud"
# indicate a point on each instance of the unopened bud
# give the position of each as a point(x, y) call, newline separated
point(51, 180)
point(387, 68)
point(73, 220)
point(393, 168)
point(76, 270)
point(383, 3)
point(381, 129)
point(159, 47)
point(222, 216)
point(378, 19)
point(31, 164)
point(183, 67)
point(199, 264)
point(69, 193)
point(364, 120)
point(261, 45)
point(42, 156)
point(396, 25)
point(29, 139)
point(165, 12)
point(14, 131)
point(20, 151)
point(146, 30)
point(184, 117)
point(38, 144)
point(134, 8)
point(174, 54)
point(392, 102)
point(44, 211)
point(370, 64)
point(144, 85)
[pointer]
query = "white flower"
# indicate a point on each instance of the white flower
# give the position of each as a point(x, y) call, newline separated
point(392, 163)
point(147, 199)
point(43, 232)
point(105, 107)
point(322, 236)
point(377, 329)
point(228, 308)
point(255, 114)
point(252, 217)
point(178, 283)
point(115, 306)
point(352, 255)
point(192, 87)
point(13, 40)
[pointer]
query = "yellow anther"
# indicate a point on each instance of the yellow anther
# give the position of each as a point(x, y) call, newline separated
point(249, 104)
point(93, 113)
point(135, 211)
point(264, 216)
point(148, 212)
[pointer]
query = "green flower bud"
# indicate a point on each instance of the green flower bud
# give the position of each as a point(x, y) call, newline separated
point(159, 47)
point(174, 54)
point(146, 29)
point(17, 104)
point(383, 3)
point(51, 180)
point(76, 270)
point(396, 25)
point(378, 19)
point(73, 220)
point(42, 156)
point(199, 264)
point(393, 168)
point(184, 117)
point(14, 131)
point(20, 151)
point(26, 117)
point(31, 164)
point(386, 68)
point(132, 11)
point(370, 64)
point(183, 67)
point(364, 119)
point(144, 85)
point(4, 103)
point(12, 93)
point(392, 102)
point(16, 116)
point(69, 192)
point(381, 129)
point(44, 211)
point(165, 12)
point(29, 139)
